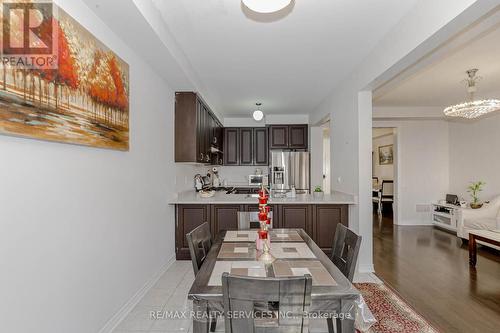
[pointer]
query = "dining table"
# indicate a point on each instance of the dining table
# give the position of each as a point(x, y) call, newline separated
point(294, 253)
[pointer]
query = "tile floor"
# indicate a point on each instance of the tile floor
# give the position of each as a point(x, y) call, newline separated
point(170, 294)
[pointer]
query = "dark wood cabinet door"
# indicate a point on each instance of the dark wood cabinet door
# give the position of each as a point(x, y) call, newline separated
point(200, 132)
point(296, 216)
point(231, 146)
point(208, 133)
point(260, 146)
point(297, 136)
point(188, 218)
point(219, 139)
point(246, 146)
point(326, 218)
point(195, 129)
point(278, 136)
point(225, 217)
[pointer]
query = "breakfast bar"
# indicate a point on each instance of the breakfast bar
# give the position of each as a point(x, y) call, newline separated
point(318, 217)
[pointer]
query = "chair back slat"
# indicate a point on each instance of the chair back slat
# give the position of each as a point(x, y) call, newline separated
point(246, 295)
point(387, 188)
point(199, 242)
point(345, 250)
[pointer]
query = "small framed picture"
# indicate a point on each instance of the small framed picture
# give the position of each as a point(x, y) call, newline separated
point(385, 155)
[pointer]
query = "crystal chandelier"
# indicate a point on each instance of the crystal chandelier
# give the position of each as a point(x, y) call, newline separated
point(473, 108)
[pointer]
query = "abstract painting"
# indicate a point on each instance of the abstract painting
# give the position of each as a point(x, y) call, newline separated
point(385, 155)
point(83, 100)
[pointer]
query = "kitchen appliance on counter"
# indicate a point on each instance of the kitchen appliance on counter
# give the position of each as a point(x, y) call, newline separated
point(290, 169)
point(203, 182)
point(258, 180)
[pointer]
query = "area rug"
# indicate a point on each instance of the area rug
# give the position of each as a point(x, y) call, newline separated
point(393, 314)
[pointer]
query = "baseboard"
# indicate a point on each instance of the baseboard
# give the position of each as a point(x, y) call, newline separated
point(414, 223)
point(366, 268)
point(134, 300)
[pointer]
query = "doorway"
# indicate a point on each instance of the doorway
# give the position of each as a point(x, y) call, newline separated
point(325, 130)
point(320, 150)
point(384, 173)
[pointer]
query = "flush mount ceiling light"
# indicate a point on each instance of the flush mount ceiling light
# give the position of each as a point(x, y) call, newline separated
point(266, 6)
point(258, 115)
point(473, 108)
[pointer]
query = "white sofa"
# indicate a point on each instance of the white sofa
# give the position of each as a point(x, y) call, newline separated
point(484, 218)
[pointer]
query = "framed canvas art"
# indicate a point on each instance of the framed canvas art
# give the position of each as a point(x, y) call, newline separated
point(385, 155)
point(77, 92)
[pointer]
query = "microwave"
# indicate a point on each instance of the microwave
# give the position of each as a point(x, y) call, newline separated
point(257, 180)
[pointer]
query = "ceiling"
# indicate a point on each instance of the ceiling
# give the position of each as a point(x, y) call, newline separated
point(289, 62)
point(440, 84)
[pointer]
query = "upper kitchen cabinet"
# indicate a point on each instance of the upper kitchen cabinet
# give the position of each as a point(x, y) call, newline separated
point(198, 132)
point(278, 136)
point(260, 146)
point(246, 146)
point(231, 146)
point(288, 136)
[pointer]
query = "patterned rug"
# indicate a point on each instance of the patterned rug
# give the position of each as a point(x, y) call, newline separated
point(393, 314)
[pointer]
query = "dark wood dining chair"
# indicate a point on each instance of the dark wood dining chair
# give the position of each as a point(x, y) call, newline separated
point(199, 242)
point(387, 193)
point(345, 252)
point(242, 294)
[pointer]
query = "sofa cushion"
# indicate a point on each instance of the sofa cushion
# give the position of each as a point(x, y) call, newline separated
point(482, 224)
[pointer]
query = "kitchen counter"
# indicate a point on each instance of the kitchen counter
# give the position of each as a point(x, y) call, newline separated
point(192, 198)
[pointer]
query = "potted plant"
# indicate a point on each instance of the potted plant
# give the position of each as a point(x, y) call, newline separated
point(474, 189)
point(318, 192)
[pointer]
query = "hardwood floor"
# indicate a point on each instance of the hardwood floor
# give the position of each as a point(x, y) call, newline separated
point(429, 268)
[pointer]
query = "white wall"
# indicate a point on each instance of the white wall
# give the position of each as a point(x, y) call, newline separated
point(351, 112)
point(422, 157)
point(83, 229)
point(316, 151)
point(475, 155)
point(386, 171)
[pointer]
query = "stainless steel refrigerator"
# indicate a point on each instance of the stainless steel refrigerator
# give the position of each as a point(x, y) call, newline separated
point(290, 169)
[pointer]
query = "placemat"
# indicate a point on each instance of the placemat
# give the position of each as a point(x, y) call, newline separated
point(237, 251)
point(291, 251)
point(320, 276)
point(243, 268)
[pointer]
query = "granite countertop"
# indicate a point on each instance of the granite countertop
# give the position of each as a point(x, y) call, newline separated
point(191, 197)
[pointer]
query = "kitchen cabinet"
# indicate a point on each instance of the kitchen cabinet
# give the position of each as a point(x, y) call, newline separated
point(197, 130)
point(325, 220)
point(231, 146)
point(246, 146)
point(225, 217)
point(188, 217)
point(288, 136)
point(297, 136)
point(319, 221)
point(278, 136)
point(296, 216)
point(260, 146)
